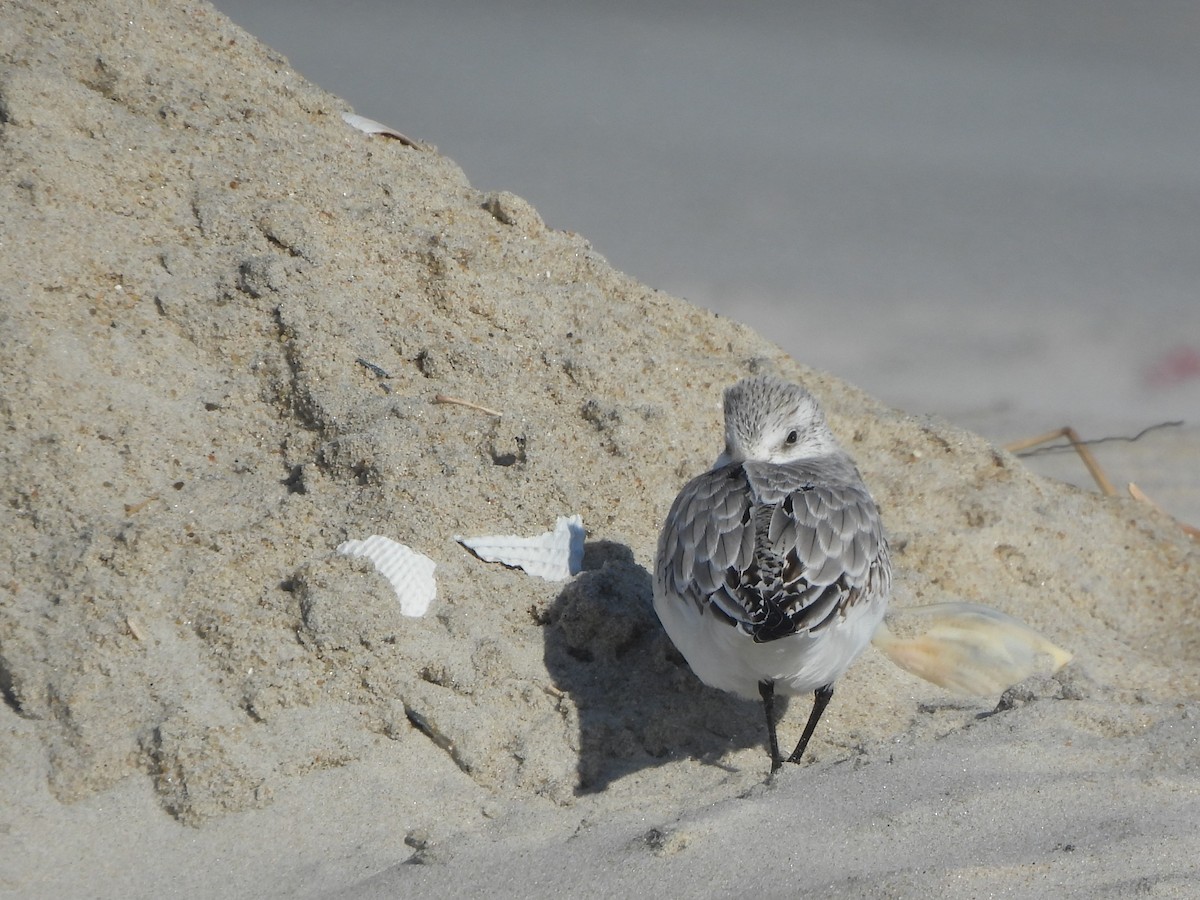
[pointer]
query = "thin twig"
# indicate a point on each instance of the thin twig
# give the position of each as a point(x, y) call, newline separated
point(1021, 448)
point(1081, 448)
point(1138, 494)
point(442, 398)
point(132, 508)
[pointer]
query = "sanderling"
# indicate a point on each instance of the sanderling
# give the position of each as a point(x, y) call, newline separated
point(773, 569)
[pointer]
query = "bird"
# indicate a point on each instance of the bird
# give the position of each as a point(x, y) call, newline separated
point(772, 571)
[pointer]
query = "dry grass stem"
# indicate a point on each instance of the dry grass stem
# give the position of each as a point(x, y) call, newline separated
point(1138, 494)
point(1089, 460)
point(443, 398)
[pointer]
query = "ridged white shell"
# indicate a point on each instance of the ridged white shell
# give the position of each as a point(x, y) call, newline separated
point(409, 572)
point(554, 556)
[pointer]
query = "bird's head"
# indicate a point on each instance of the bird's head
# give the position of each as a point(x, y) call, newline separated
point(769, 420)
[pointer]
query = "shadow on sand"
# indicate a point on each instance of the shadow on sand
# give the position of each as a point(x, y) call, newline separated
point(639, 704)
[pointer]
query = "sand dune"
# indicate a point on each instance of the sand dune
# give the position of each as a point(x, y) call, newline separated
point(202, 697)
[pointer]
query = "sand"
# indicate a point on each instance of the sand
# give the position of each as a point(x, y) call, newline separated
point(201, 697)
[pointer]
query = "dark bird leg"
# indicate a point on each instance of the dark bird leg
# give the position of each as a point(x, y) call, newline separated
point(821, 699)
point(766, 690)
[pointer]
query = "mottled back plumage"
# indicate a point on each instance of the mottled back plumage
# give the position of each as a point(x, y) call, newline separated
point(775, 549)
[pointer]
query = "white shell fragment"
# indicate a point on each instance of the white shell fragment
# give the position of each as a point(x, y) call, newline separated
point(370, 126)
point(409, 572)
point(966, 648)
point(554, 556)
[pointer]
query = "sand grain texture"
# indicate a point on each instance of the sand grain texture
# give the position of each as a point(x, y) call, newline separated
point(200, 695)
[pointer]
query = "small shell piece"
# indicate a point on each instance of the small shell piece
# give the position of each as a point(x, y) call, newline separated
point(966, 648)
point(554, 556)
point(370, 126)
point(409, 572)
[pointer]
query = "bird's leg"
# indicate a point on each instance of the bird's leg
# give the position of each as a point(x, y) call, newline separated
point(766, 690)
point(821, 699)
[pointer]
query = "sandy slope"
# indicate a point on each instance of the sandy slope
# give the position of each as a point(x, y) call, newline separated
point(202, 697)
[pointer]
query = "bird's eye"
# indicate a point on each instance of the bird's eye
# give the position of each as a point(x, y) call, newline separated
point(792, 438)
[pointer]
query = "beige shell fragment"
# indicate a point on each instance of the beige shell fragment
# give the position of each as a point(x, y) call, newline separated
point(966, 648)
point(554, 556)
point(410, 573)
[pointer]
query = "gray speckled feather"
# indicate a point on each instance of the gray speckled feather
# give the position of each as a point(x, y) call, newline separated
point(775, 548)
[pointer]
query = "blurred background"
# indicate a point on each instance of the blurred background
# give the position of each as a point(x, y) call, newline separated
point(985, 211)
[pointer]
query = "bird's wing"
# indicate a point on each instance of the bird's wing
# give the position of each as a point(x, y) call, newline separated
point(774, 549)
